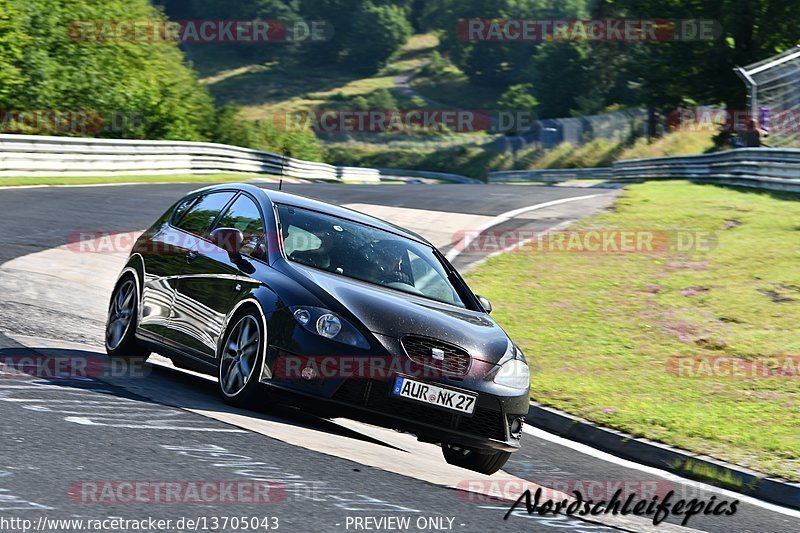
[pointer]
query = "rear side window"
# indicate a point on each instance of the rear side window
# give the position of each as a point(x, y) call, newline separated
point(181, 208)
point(197, 217)
point(244, 215)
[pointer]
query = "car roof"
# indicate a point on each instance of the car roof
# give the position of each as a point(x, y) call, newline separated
point(303, 202)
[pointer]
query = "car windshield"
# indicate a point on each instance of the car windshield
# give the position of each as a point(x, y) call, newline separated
point(364, 253)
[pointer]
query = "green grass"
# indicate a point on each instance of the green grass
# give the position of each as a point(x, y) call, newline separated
point(91, 180)
point(453, 88)
point(678, 143)
point(603, 152)
point(599, 328)
point(467, 161)
point(595, 153)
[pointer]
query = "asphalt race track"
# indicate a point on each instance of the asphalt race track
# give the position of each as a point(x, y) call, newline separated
point(61, 435)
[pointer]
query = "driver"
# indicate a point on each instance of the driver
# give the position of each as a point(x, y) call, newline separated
point(389, 263)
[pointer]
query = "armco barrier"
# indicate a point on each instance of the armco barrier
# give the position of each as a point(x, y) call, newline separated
point(766, 168)
point(550, 175)
point(396, 172)
point(35, 155)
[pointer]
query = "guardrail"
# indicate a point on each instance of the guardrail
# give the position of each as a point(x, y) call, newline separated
point(554, 175)
point(766, 168)
point(34, 155)
point(446, 176)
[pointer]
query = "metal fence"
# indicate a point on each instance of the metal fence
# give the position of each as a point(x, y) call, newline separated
point(549, 133)
point(773, 89)
point(766, 168)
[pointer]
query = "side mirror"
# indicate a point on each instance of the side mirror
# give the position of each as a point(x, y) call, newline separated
point(487, 305)
point(229, 239)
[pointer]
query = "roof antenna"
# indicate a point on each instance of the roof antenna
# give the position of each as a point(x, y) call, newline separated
point(287, 153)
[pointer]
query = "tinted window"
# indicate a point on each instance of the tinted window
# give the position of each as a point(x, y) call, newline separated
point(244, 215)
point(364, 253)
point(198, 218)
point(299, 240)
point(180, 210)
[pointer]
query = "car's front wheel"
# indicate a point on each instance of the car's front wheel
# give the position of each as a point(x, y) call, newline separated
point(121, 323)
point(485, 462)
point(241, 357)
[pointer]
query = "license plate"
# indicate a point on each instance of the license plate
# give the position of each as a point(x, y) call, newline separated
point(454, 400)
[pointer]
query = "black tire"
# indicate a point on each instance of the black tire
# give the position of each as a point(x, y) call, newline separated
point(239, 353)
point(483, 461)
point(122, 321)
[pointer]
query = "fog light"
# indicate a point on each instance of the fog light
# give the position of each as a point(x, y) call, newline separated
point(515, 427)
point(302, 316)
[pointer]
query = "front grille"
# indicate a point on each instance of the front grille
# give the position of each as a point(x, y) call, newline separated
point(353, 391)
point(375, 395)
point(456, 360)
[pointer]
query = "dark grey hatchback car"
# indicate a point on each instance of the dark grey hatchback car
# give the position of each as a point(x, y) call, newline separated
point(291, 300)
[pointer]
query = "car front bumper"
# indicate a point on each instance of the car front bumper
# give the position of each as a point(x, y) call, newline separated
point(495, 424)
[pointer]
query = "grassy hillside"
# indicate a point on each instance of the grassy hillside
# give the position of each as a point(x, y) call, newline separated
point(416, 77)
point(262, 90)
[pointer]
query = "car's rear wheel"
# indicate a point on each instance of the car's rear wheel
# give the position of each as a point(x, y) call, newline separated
point(121, 323)
point(240, 359)
point(483, 461)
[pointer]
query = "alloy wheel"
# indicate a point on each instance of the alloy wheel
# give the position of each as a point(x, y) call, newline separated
point(239, 356)
point(120, 314)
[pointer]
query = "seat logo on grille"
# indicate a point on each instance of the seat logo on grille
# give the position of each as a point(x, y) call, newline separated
point(437, 354)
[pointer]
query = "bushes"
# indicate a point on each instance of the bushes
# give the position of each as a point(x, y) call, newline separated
point(231, 128)
point(50, 62)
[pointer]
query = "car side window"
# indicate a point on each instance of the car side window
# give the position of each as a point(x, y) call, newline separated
point(245, 216)
point(181, 208)
point(197, 218)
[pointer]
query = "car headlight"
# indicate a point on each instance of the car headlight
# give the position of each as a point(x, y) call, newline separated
point(514, 372)
point(326, 324)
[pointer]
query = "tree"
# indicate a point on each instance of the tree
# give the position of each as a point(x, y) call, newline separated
point(518, 97)
point(376, 33)
point(54, 63)
point(673, 72)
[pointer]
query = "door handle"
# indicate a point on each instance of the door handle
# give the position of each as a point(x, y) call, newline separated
point(191, 256)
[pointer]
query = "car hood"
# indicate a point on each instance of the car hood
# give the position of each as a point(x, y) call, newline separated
point(393, 313)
